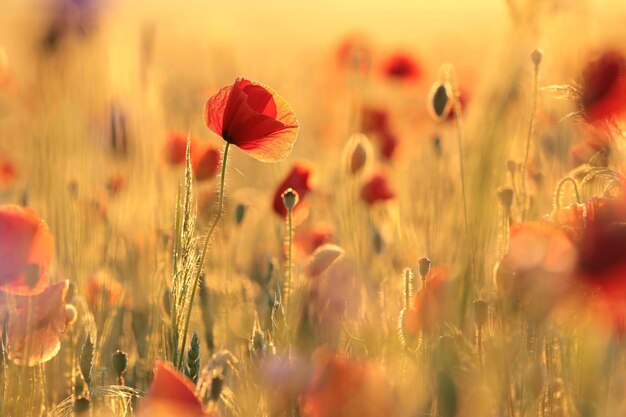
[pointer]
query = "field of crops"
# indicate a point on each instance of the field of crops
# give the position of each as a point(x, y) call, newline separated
point(313, 209)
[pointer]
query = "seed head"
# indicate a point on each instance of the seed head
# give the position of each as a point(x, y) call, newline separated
point(290, 198)
point(536, 56)
point(424, 267)
point(506, 194)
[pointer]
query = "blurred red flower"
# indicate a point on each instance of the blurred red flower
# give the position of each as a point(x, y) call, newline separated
point(597, 229)
point(205, 161)
point(354, 54)
point(8, 173)
point(103, 291)
point(430, 307)
point(175, 148)
point(310, 238)
point(254, 118)
point(537, 269)
point(377, 189)
point(26, 247)
point(603, 87)
point(344, 387)
point(374, 120)
point(35, 337)
point(401, 66)
point(171, 395)
point(300, 179)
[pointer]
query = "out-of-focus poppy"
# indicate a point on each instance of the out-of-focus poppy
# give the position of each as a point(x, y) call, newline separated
point(387, 144)
point(603, 87)
point(374, 120)
point(254, 118)
point(116, 183)
point(175, 148)
point(537, 269)
point(103, 291)
point(35, 337)
point(430, 308)
point(377, 189)
point(597, 230)
point(205, 161)
point(171, 395)
point(8, 173)
point(309, 238)
point(354, 54)
point(300, 179)
point(344, 387)
point(26, 247)
point(401, 66)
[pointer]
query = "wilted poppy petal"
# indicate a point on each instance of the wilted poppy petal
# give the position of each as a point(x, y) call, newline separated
point(26, 247)
point(34, 336)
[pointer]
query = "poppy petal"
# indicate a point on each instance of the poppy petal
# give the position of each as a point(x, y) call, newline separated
point(35, 337)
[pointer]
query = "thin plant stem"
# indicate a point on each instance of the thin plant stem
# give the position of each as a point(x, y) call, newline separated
point(287, 289)
point(218, 216)
point(531, 128)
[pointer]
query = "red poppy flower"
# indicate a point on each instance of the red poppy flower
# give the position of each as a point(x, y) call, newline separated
point(377, 189)
point(254, 118)
point(603, 87)
point(35, 337)
point(354, 54)
point(401, 66)
point(374, 120)
point(597, 230)
point(103, 291)
point(310, 238)
point(300, 179)
point(387, 144)
point(430, 305)
point(26, 247)
point(344, 387)
point(205, 161)
point(171, 395)
point(8, 173)
point(537, 268)
point(175, 148)
point(116, 183)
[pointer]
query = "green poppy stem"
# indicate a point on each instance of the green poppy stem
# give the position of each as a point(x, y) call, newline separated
point(207, 239)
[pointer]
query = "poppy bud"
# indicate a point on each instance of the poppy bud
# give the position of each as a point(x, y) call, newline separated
point(506, 195)
point(424, 267)
point(440, 100)
point(323, 258)
point(356, 152)
point(536, 56)
point(217, 383)
point(71, 314)
point(290, 198)
point(481, 312)
point(511, 166)
point(167, 294)
point(119, 360)
point(240, 212)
